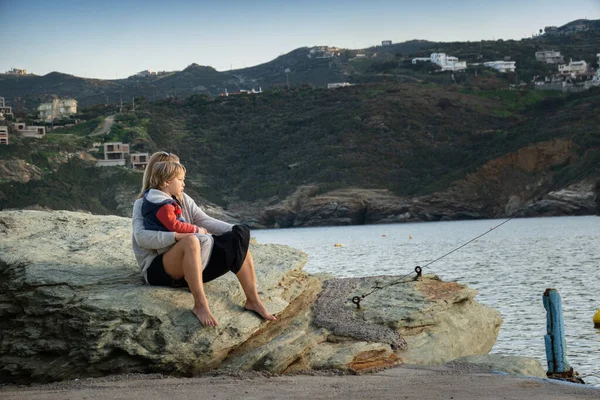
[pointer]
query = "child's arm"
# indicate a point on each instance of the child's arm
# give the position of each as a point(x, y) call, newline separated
point(167, 216)
point(148, 239)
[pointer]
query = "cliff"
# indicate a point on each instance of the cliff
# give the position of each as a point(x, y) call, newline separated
point(73, 304)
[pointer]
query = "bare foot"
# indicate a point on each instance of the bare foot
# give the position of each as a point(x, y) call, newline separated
point(205, 316)
point(260, 309)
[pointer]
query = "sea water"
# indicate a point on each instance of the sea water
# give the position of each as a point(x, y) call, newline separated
point(511, 266)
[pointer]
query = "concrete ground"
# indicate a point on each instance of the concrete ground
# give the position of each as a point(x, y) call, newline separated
point(405, 382)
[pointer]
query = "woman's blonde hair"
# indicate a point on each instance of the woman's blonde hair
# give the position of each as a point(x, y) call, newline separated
point(159, 156)
point(165, 171)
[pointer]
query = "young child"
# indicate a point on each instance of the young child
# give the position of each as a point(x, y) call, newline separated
point(161, 208)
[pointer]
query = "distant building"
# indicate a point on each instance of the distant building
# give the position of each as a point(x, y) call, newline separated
point(501, 66)
point(37, 132)
point(448, 63)
point(573, 68)
point(338, 85)
point(421, 59)
point(57, 109)
point(145, 73)
point(324, 52)
point(549, 57)
point(139, 160)
point(16, 71)
point(4, 109)
point(251, 91)
point(3, 134)
point(386, 42)
point(115, 153)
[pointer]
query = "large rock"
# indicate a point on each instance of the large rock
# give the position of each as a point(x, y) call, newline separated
point(72, 303)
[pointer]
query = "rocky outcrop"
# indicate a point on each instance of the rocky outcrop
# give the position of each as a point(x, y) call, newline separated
point(73, 304)
point(513, 365)
point(517, 184)
point(15, 170)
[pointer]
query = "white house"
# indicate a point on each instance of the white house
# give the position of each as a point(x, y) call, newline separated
point(386, 43)
point(596, 79)
point(57, 108)
point(448, 63)
point(501, 66)
point(421, 59)
point(549, 57)
point(573, 68)
point(338, 84)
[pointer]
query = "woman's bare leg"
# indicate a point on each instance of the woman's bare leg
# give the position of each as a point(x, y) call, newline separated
point(247, 278)
point(183, 261)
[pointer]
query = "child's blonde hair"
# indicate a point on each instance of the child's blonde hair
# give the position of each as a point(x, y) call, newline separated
point(165, 171)
point(159, 156)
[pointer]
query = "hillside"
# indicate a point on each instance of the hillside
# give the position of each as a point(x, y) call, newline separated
point(387, 63)
point(468, 150)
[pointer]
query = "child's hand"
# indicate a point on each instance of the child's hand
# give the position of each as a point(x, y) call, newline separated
point(179, 236)
point(202, 230)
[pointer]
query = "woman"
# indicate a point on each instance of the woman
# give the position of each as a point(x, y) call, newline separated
point(193, 259)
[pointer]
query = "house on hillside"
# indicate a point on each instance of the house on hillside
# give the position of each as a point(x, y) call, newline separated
point(3, 134)
point(573, 68)
point(448, 63)
point(37, 132)
point(386, 43)
point(338, 85)
point(57, 109)
point(421, 59)
point(115, 153)
point(549, 57)
point(139, 160)
point(16, 71)
point(5, 111)
point(251, 91)
point(501, 66)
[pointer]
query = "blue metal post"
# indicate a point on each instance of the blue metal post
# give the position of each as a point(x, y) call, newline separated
point(556, 346)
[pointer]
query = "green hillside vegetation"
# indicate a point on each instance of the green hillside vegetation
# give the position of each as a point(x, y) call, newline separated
point(409, 138)
point(412, 139)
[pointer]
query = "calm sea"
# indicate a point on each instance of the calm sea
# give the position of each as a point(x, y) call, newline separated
point(511, 266)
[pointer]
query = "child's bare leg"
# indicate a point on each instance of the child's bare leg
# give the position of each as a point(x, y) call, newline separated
point(247, 278)
point(183, 261)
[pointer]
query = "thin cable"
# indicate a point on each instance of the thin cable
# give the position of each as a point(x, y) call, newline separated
point(399, 280)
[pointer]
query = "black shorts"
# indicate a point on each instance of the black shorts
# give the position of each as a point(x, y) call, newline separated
point(228, 254)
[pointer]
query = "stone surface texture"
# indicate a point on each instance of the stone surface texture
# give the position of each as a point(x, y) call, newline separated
point(73, 304)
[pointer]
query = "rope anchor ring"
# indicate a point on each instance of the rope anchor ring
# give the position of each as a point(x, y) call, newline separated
point(356, 300)
point(419, 271)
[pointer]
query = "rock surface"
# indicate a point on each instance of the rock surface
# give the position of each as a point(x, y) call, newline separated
point(73, 304)
point(513, 365)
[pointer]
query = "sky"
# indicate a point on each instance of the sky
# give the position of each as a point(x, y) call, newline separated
point(111, 39)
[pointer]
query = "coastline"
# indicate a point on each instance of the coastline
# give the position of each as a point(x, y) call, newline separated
point(464, 381)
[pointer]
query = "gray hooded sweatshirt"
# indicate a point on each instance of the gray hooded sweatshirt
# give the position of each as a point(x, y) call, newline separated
point(148, 244)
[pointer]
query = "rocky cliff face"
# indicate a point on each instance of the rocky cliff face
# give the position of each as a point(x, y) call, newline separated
point(516, 184)
point(73, 304)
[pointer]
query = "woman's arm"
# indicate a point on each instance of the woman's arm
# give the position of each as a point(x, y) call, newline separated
point(148, 239)
point(199, 217)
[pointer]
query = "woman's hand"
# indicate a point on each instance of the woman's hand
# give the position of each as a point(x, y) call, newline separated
point(202, 230)
point(179, 236)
